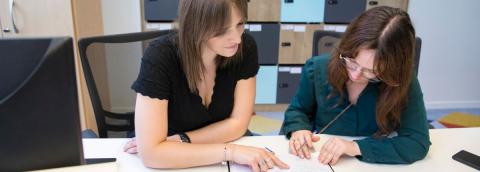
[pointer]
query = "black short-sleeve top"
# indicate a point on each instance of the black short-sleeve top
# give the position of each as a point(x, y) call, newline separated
point(161, 76)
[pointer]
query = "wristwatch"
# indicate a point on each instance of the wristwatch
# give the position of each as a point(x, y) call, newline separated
point(184, 137)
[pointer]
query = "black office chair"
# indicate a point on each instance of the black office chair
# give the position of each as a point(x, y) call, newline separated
point(112, 99)
point(325, 42)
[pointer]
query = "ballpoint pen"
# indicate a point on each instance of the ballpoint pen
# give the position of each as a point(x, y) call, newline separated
point(270, 150)
point(334, 119)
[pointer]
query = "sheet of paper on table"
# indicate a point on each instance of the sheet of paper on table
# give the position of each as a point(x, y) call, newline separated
point(296, 164)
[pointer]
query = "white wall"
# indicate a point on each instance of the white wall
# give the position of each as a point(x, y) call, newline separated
point(450, 57)
point(123, 61)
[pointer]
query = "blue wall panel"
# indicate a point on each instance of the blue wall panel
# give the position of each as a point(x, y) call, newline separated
point(302, 10)
point(266, 85)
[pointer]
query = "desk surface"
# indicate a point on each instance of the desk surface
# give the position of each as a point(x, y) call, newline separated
point(445, 143)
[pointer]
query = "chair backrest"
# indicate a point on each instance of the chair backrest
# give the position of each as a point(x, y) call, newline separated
point(325, 42)
point(111, 63)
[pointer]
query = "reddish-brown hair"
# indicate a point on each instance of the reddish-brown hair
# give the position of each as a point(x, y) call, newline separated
point(390, 33)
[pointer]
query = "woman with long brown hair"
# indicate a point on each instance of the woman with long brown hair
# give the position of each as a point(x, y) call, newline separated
point(196, 91)
point(366, 87)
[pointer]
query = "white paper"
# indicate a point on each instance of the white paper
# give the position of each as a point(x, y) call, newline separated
point(152, 26)
point(102, 148)
point(329, 28)
point(284, 69)
point(299, 28)
point(279, 145)
point(295, 70)
point(255, 28)
point(340, 28)
point(287, 27)
point(166, 26)
point(295, 163)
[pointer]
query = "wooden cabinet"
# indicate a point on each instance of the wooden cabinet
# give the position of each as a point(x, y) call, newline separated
point(38, 18)
point(26, 18)
point(296, 42)
point(264, 10)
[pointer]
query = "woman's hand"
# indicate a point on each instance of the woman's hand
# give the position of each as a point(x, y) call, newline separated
point(334, 148)
point(131, 146)
point(258, 159)
point(301, 142)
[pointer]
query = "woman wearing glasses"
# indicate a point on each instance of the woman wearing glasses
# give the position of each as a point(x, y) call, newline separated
point(367, 87)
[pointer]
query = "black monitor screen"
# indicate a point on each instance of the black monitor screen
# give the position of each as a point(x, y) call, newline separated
point(39, 119)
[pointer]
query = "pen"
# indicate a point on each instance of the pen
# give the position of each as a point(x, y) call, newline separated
point(334, 119)
point(270, 150)
point(301, 146)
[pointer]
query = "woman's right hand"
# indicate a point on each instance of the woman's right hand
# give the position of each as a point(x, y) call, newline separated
point(301, 142)
point(259, 159)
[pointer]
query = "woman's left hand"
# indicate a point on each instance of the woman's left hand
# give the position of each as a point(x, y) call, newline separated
point(334, 148)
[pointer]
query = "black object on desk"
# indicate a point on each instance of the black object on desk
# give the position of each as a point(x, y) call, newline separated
point(99, 160)
point(467, 158)
point(39, 119)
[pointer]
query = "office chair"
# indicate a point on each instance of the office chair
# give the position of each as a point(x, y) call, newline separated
point(325, 42)
point(111, 64)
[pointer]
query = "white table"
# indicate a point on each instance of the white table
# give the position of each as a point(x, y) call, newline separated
point(445, 143)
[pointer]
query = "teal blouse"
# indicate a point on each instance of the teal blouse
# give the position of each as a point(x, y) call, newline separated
point(311, 110)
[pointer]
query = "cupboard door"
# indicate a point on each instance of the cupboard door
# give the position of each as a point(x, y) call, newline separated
point(266, 85)
point(308, 41)
point(343, 11)
point(288, 82)
point(160, 10)
point(27, 18)
point(402, 4)
point(296, 41)
point(286, 44)
point(266, 37)
point(305, 11)
point(264, 10)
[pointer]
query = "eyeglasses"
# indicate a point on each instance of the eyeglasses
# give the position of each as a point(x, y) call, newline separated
point(369, 74)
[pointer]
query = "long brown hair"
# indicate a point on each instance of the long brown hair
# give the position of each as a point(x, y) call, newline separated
point(390, 33)
point(198, 21)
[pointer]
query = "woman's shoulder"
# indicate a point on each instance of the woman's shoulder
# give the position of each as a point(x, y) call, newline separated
point(163, 50)
point(317, 64)
point(318, 61)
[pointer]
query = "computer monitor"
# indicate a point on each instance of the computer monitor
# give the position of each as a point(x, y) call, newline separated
point(39, 118)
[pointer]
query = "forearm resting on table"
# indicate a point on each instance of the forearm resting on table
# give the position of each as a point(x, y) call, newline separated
point(181, 155)
point(220, 132)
